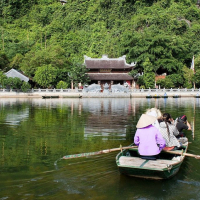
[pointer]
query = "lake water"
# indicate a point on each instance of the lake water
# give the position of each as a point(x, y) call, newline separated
point(36, 133)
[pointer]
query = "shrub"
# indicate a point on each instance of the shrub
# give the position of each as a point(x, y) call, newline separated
point(25, 87)
point(62, 84)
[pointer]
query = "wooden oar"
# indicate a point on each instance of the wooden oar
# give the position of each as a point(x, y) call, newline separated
point(97, 152)
point(122, 148)
point(183, 154)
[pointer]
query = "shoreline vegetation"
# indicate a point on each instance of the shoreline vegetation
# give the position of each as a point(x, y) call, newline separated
point(47, 41)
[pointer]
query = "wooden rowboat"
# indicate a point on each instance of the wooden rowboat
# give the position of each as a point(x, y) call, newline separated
point(169, 163)
point(176, 96)
point(156, 97)
point(50, 97)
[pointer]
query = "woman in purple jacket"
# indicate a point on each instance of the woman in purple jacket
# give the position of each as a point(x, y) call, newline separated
point(148, 138)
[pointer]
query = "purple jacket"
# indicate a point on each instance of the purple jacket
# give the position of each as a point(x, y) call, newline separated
point(149, 141)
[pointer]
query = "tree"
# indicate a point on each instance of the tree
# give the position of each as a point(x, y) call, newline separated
point(4, 62)
point(149, 75)
point(13, 83)
point(165, 83)
point(176, 79)
point(16, 61)
point(133, 73)
point(45, 75)
point(25, 86)
point(197, 78)
point(161, 82)
point(54, 56)
point(140, 81)
point(3, 78)
point(63, 75)
point(197, 71)
point(45, 32)
point(188, 75)
point(78, 74)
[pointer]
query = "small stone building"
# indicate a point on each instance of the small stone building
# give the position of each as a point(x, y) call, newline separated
point(109, 70)
point(14, 73)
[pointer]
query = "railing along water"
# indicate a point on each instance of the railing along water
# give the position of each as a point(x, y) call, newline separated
point(131, 92)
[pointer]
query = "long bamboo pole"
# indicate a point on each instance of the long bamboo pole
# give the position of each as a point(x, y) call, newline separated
point(97, 152)
point(122, 148)
point(183, 154)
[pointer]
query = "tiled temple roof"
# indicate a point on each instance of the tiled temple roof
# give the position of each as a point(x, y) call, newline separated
point(107, 63)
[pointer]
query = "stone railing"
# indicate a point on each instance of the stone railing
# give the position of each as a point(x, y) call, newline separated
point(175, 90)
point(44, 90)
point(81, 93)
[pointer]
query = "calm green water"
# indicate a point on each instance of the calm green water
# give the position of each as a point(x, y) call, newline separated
point(36, 133)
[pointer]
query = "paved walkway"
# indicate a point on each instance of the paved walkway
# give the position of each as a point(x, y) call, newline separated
point(80, 94)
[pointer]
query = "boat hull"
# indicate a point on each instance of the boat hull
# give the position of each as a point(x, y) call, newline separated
point(167, 166)
point(50, 97)
point(156, 97)
point(150, 173)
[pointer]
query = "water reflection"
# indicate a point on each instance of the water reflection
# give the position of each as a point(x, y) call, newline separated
point(165, 101)
point(107, 118)
point(16, 118)
point(36, 133)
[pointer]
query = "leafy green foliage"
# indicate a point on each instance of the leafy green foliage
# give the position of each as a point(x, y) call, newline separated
point(13, 83)
point(51, 56)
point(188, 74)
point(45, 75)
point(62, 85)
point(3, 61)
point(165, 83)
point(3, 78)
point(161, 83)
point(176, 79)
point(140, 81)
point(37, 33)
point(78, 74)
point(25, 86)
point(197, 72)
point(149, 75)
point(133, 73)
point(17, 59)
point(63, 75)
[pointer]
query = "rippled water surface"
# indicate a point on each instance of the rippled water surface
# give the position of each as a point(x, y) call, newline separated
point(36, 133)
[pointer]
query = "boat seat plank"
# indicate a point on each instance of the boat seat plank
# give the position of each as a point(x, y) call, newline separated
point(137, 162)
point(124, 160)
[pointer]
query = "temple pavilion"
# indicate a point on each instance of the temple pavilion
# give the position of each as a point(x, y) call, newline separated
point(109, 70)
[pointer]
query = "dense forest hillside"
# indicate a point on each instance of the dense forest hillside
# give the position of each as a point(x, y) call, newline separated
point(44, 36)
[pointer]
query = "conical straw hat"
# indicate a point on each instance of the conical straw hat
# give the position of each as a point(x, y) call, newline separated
point(145, 120)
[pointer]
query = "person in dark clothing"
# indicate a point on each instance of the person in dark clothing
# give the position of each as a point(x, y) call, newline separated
point(182, 124)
